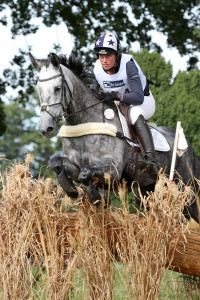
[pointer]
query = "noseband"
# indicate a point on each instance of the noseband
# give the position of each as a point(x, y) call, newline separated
point(46, 106)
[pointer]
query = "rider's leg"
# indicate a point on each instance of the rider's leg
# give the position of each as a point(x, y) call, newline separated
point(138, 116)
point(145, 137)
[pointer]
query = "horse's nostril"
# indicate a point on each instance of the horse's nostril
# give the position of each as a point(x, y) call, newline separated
point(50, 129)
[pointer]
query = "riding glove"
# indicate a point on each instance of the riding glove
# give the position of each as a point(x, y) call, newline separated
point(113, 96)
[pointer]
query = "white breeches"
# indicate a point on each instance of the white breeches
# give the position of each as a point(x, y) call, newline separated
point(147, 109)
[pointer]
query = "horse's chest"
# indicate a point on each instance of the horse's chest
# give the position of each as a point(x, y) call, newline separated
point(92, 147)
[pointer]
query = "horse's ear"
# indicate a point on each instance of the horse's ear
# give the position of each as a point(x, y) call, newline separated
point(55, 60)
point(36, 63)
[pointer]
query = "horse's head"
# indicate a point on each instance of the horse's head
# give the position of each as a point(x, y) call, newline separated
point(54, 91)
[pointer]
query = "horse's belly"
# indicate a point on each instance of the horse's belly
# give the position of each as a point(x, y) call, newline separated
point(93, 149)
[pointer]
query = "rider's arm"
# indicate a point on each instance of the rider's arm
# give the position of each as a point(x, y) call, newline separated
point(136, 93)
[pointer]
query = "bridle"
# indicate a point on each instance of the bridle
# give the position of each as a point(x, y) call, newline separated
point(46, 106)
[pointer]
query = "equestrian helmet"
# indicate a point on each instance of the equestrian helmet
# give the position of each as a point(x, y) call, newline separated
point(107, 43)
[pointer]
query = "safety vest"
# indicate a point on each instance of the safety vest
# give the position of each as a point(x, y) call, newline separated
point(119, 81)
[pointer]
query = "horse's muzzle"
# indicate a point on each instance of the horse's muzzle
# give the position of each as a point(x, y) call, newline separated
point(49, 133)
point(48, 126)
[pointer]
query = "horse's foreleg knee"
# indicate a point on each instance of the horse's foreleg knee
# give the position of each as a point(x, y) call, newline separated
point(85, 176)
point(56, 164)
point(98, 170)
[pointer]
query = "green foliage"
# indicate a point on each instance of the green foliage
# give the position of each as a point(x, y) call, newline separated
point(181, 102)
point(21, 80)
point(177, 101)
point(155, 68)
point(131, 203)
point(22, 136)
point(2, 118)
point(79, 16)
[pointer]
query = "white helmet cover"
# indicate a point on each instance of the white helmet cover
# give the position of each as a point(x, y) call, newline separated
point(107, 43)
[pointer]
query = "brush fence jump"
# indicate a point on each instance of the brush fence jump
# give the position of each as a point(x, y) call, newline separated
point(186, 258)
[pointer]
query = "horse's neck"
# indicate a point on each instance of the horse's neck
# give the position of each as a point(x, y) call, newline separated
point(82, 99)
point(75, 85)
point(69, 78)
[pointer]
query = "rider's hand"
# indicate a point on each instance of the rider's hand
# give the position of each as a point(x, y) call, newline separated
point(113, 96)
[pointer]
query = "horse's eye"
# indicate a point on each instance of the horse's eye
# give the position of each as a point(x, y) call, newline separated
point(57, 89)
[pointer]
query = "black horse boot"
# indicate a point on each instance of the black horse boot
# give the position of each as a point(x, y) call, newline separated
point(148, 161)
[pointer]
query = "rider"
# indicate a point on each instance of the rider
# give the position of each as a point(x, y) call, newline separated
point(122, 79)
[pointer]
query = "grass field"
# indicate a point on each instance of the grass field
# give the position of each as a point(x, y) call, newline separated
point(172, 287)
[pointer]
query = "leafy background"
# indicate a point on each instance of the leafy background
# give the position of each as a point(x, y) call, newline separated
point(176, 98)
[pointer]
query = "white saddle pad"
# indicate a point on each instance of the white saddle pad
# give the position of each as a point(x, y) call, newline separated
point(160, 142)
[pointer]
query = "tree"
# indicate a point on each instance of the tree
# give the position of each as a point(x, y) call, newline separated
point(183, 104)
point(85, 21)
point(175, 101)
point(22, 136)
point(2, 112)
point(2, 118)
point(155, 69)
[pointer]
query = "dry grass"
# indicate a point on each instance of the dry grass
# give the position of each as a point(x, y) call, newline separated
point(96, 257)
point(147, 241)
point(33, 235)
point(43, 251)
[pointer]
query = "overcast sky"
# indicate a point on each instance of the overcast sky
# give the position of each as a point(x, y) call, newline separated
point(42, 44)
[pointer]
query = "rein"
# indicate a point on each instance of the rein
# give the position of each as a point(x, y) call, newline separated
point(78, 111)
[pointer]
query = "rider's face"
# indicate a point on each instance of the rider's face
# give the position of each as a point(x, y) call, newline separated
point(108, 60)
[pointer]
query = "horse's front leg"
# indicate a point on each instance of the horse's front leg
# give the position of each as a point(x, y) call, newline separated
point(62, 169)
point(96, 170)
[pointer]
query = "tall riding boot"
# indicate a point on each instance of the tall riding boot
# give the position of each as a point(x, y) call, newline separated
point(145, 137)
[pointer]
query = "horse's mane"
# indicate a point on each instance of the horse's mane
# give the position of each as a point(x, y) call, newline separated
point(77, 67)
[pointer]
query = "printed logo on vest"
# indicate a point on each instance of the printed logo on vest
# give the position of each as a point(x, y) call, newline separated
point(113, 84)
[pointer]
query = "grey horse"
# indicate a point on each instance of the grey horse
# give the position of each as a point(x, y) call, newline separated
point(93, 151)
